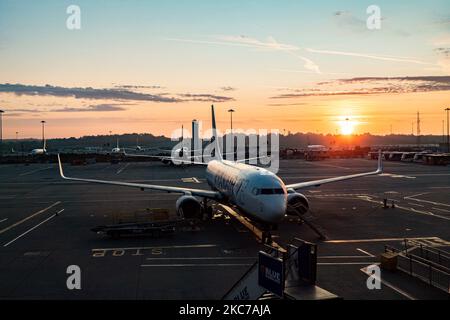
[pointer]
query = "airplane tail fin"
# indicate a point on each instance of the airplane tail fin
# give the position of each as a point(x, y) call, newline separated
point(380, 162)
point(215, 136)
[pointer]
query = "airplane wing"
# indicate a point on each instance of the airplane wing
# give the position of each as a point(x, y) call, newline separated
point(187, 191)
point(318, 183)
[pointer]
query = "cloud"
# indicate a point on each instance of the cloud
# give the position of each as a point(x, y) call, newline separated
point(23, 110)
point(106, 94)
point(92, 108)
point(228, 89)
point(443, 58)
point(270, 44)
point(204, 97)
point(371, 85)
point(443, 52)
point(83, 93)
point(129, 86)
point(431, 79)
point(370, 56)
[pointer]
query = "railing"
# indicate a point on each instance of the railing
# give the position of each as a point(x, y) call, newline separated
point(428, 271)
point(429, 253)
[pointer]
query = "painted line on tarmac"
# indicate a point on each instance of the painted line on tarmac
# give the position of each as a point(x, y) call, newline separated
point(29, 217)
point(414, 198)
point(344, 263)
point(328, 165)
point(378, 240)
point(159, 247)
point(123, 168)
point(416, 204)
point(34, 171)
point(195, 265)
point(33, 228)
point(442, 210)
point(202, 258)
point(366, 253)
point(427, 213)
point(3, 220)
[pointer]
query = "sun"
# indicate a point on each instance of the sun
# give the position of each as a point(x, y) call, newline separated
point(347, 127)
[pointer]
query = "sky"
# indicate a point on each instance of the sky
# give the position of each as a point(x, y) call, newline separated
point(151, 66)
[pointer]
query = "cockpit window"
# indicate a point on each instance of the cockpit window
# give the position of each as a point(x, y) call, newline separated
point(268, 191)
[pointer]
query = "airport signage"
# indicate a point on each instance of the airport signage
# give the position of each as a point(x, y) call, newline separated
point(271, 273)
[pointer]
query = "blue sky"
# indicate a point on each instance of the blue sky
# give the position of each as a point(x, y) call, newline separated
point(199, 46)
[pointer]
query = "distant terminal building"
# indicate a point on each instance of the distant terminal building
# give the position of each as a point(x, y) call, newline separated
point(316, 153)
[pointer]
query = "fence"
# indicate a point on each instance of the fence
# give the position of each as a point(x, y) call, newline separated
point(428, 271)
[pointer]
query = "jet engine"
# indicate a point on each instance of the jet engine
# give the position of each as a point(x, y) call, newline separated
point(188, 207)
point(297, 204)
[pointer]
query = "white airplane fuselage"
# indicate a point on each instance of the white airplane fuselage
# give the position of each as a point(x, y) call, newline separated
point(256, 191)
point(36, 152)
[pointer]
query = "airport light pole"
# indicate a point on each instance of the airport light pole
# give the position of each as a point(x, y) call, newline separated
point(448, 131)
point(1, 132)
point(231, 111)
point(43, 134)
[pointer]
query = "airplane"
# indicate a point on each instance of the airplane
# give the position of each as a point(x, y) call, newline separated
point(258, 193)
point(42, 151)
point(182, 156)
point(117, 149)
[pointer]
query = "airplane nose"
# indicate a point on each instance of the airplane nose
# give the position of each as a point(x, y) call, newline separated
point(275, 209)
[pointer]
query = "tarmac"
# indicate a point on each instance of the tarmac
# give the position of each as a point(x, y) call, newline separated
point(45, 227)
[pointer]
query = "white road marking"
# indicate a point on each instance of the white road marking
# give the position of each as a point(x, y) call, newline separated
point(366, 253)
point(379, 240)
point(203, 258)
point(327, 165)
point(34, 171)
point(3, 220)
point(190, 180)
point(343, 257)
point(29, 217)
point(427, 213)
point(196, 265)
point(160, 247)
point(35, 227)
point(123, 168)
point(397, 176)
point(389, 285)
point(442, 210)
point(416, 204)
point(414, 198)
point(345, 263)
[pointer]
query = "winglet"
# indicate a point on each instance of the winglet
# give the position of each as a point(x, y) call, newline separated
point(215, 136)
point(61, 172)
point(380, 162)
